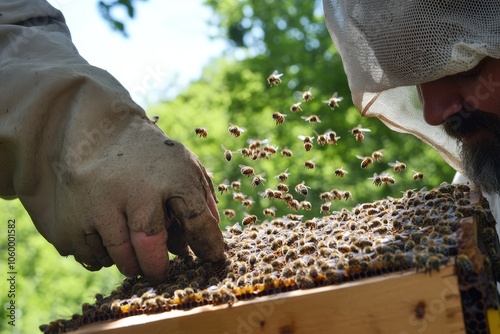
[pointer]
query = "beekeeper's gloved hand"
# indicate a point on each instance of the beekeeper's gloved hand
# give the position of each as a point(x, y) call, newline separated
point(98, 179)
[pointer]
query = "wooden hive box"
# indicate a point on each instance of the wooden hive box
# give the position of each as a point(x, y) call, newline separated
point(400, 288)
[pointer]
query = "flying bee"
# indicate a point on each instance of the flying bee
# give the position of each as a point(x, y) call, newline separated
point(332, 138)
point(301, 188)
point(235, 130)
point(258, 179)
point(245, 152)
point(377, 179)
point(239, 197)
point(249, 219)
point(154, 119)
point(397, 166)
point(236, 185)
point(223, 187)
point(366, 161)
point(286, 153)
point(311, 119)
point(229, 213)
point(417, 175)
point(254, 144)
point(309, 164)
point(296, 107)
point(321, 139)
point(306, 139)
point(293, 205)
point(307, 95)
point(228, 155)
point(325, 208)
point(308, 146)
point(337, 194)
point(282, 187)
point(387, 179)
point(326, 196)
point(270, 149)
point(340, 172)
point(358, 129)
point(279, 118)
point(346, 195)
point(306, 205)
point(333, 102)
point(268, 193)
point(201, 132)
point(270, 212)
point(283, 176)
point(274, 79)
point(248, 203)
point(360, 137)
point(247, 170)
point(377, 155)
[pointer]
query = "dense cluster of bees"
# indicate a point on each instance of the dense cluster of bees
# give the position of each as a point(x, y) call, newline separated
point(420, 230)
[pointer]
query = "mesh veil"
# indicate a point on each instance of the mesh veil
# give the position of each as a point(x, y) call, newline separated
point(389, 46)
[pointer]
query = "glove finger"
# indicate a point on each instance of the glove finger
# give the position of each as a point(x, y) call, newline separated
point(152, 254)
point(199, 225)
point(125, 259)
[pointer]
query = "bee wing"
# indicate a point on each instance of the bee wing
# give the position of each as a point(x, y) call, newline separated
point(360, 156)
point(223, 147)
point(364, 130)
point(392, 164)
point(301, 137)
point(277, 74)
point(297, 96)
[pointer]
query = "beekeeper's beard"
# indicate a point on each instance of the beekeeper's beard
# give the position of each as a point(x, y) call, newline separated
point(479, 135)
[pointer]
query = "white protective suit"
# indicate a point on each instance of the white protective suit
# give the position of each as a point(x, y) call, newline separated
point(389, 46)
point(94, 174)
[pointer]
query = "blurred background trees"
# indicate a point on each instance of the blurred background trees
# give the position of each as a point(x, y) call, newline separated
point(288, 36)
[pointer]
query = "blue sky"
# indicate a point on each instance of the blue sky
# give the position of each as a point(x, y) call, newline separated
point(168, 44)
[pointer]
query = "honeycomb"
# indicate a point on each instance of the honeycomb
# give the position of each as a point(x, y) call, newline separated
point(422, 231)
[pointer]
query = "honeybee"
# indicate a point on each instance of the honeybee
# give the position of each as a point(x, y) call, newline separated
point(358, 130)
point(309, 164)
point(283, 176)
point(249, 219)
point(239, 197)
point(337, 194)
point(282, 187)
point(268, 193)
point(236, 185)
point(307, 95)
point(254, 144)
point(366, 161)
point(332, 138)
point(270, 212)
point(339, 172)
point(270, 149)
point(311, 119)
point(325, 207)
point(301, 188)
point(245, 152)
point(306, 139)
point(286, 152)
point(279, 117)
point(377, 179)
point(295, 107)
point(223, 187)
point(258, 179)
point(228, 155)
point(326, 196)
point(360, 137)
point(346, 195)
point(247, 170)
point(154, 119)
point(417, 175)
point(293, 204)
point(235, 130)
point(321, 139)
point(201, 132)
point(386, 178)
point(248, 203)
point(333, 102)
point(274, 79)
point(397, 166)
point(229, 213)
point(306, 205)
point(308, 146)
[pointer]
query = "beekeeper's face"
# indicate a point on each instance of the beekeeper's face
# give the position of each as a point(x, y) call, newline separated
point(467, 105)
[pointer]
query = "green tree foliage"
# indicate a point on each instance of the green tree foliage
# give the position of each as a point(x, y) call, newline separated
point(290, 37)
point(116, 12)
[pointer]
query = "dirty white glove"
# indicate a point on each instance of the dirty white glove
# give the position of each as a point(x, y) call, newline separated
point(99, 181)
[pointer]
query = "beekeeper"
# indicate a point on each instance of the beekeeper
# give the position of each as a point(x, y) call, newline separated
point(99, 180)
point(432, 69)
